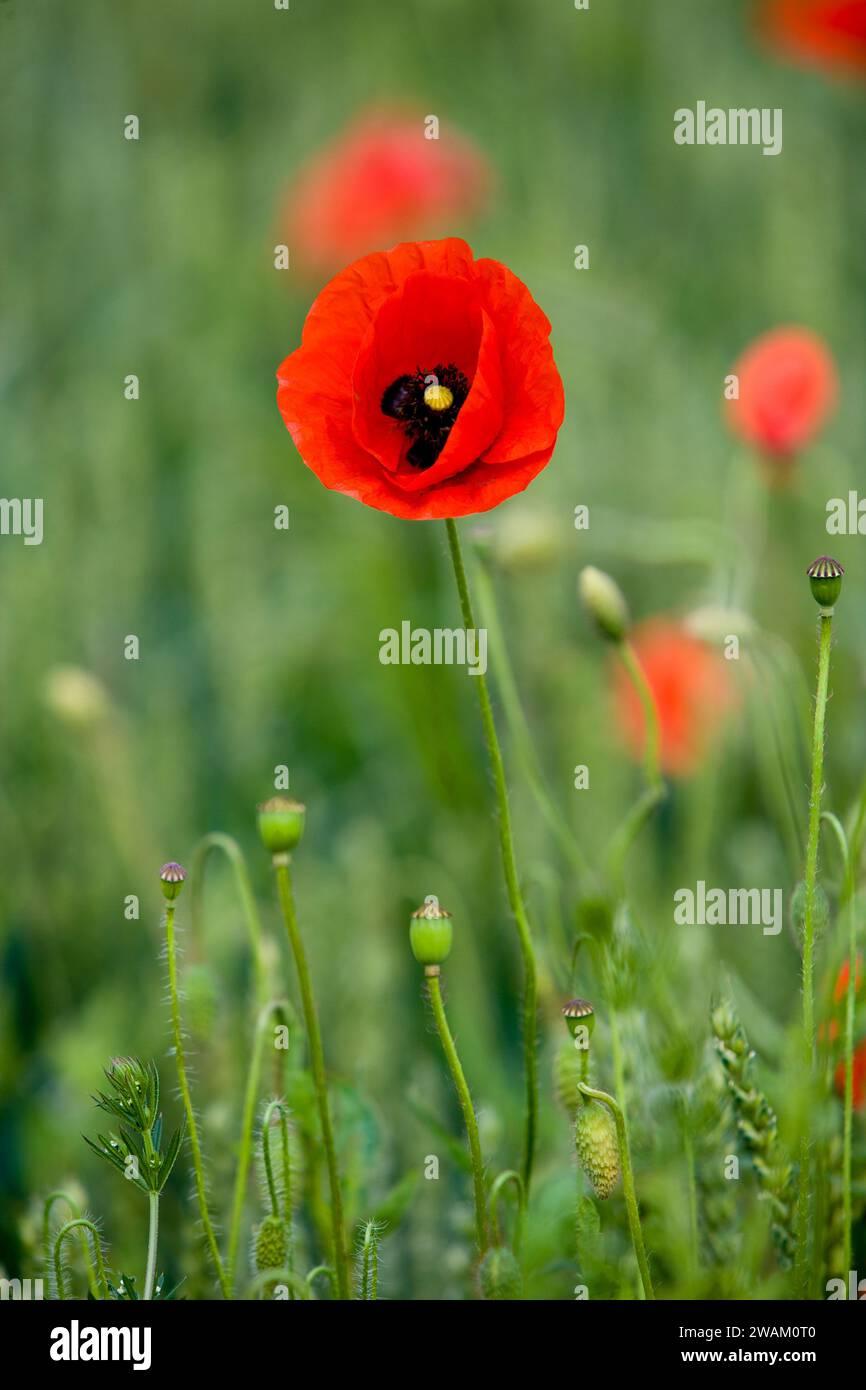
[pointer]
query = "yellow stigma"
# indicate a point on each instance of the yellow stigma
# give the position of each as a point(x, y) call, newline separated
point(438, 397)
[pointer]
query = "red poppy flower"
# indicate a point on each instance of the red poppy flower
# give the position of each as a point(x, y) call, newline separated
point(381, 182)
point(787, 388)
point(859, 1077)
point(824, 33)
point(692, 689)
point(425, 384)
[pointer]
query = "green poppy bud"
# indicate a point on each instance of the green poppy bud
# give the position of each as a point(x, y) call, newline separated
point(604, 602)
point(171, 877)
point(281, 824)
point(500, 1274)
point(430, 933)
point(825, 579)
point(597, 1147)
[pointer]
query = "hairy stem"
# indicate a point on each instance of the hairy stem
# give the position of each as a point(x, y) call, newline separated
point(79, 1223)
point(512, 880)
point(317, 1062)
point(245, 1150)
point(627, 1184)
point(811, 877)
point(153, 1236)
point(195, 1146)
point(450, 1050)
point(233, 852)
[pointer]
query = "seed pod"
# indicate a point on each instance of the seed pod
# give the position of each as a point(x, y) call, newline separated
point(825, 580)
point(500, 1274)
point(271, 1248)
point(281, 824)
point(430, 933)
point(579, 1013)
point(171, 877)
point(597, 1148)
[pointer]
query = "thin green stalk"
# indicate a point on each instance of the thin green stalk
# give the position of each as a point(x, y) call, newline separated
point(498, 1187)
point(233, 852)
point(849, 901)
point(512, 880)
point(811, 877)
point(153, 1236)
point(245, 1150)
point(450, 1050)
point(652, 746)
point(627, 1184)
point(268, 1277)
point(180, 1061)
point(516, 721)
point(278, 1107)
point(317, 1062)
point(79, 1223)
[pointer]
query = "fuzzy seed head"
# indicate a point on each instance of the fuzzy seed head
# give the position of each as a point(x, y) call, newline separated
point(597, 1148)
point(271, 1249)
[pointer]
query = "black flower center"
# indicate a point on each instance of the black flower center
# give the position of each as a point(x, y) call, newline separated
point(426, 404)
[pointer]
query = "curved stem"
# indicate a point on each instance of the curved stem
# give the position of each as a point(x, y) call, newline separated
point(498, 1187)
point(254, 1076)
point(180, 1061)
point(811, 876)
point(512, 881)
point(79, 1223)
point(323, 1269)
point(465, 1099)
point(627, 1183)
point(73, 1206)
point(317, 1062)
point(277, 1106)
point(153, 1235)
point(269, 1277)
point(233, 852)
point(652, 747)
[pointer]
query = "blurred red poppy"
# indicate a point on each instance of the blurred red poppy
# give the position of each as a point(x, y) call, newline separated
point(840, 989)
point(822, 33)
point(787, 388)
point(692, 689)
point(425, 385)
point(859, 1077)
point(381, 182)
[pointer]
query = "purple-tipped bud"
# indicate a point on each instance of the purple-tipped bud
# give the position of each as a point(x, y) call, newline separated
point(171, 877)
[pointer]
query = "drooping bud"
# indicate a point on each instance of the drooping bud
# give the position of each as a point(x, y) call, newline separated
point(430, 932)
point(171, 877)
point(597, 1148)
point(281, 824)
point(825, 579)
point(604, 602)
point(500, 1274)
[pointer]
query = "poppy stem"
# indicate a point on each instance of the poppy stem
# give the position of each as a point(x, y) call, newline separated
point(448, 1047)
point(317, 1063)
point(811, 875)
point(512, 881)
point(180, 1062)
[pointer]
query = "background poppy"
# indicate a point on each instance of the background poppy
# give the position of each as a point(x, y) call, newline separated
point(787, 388)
